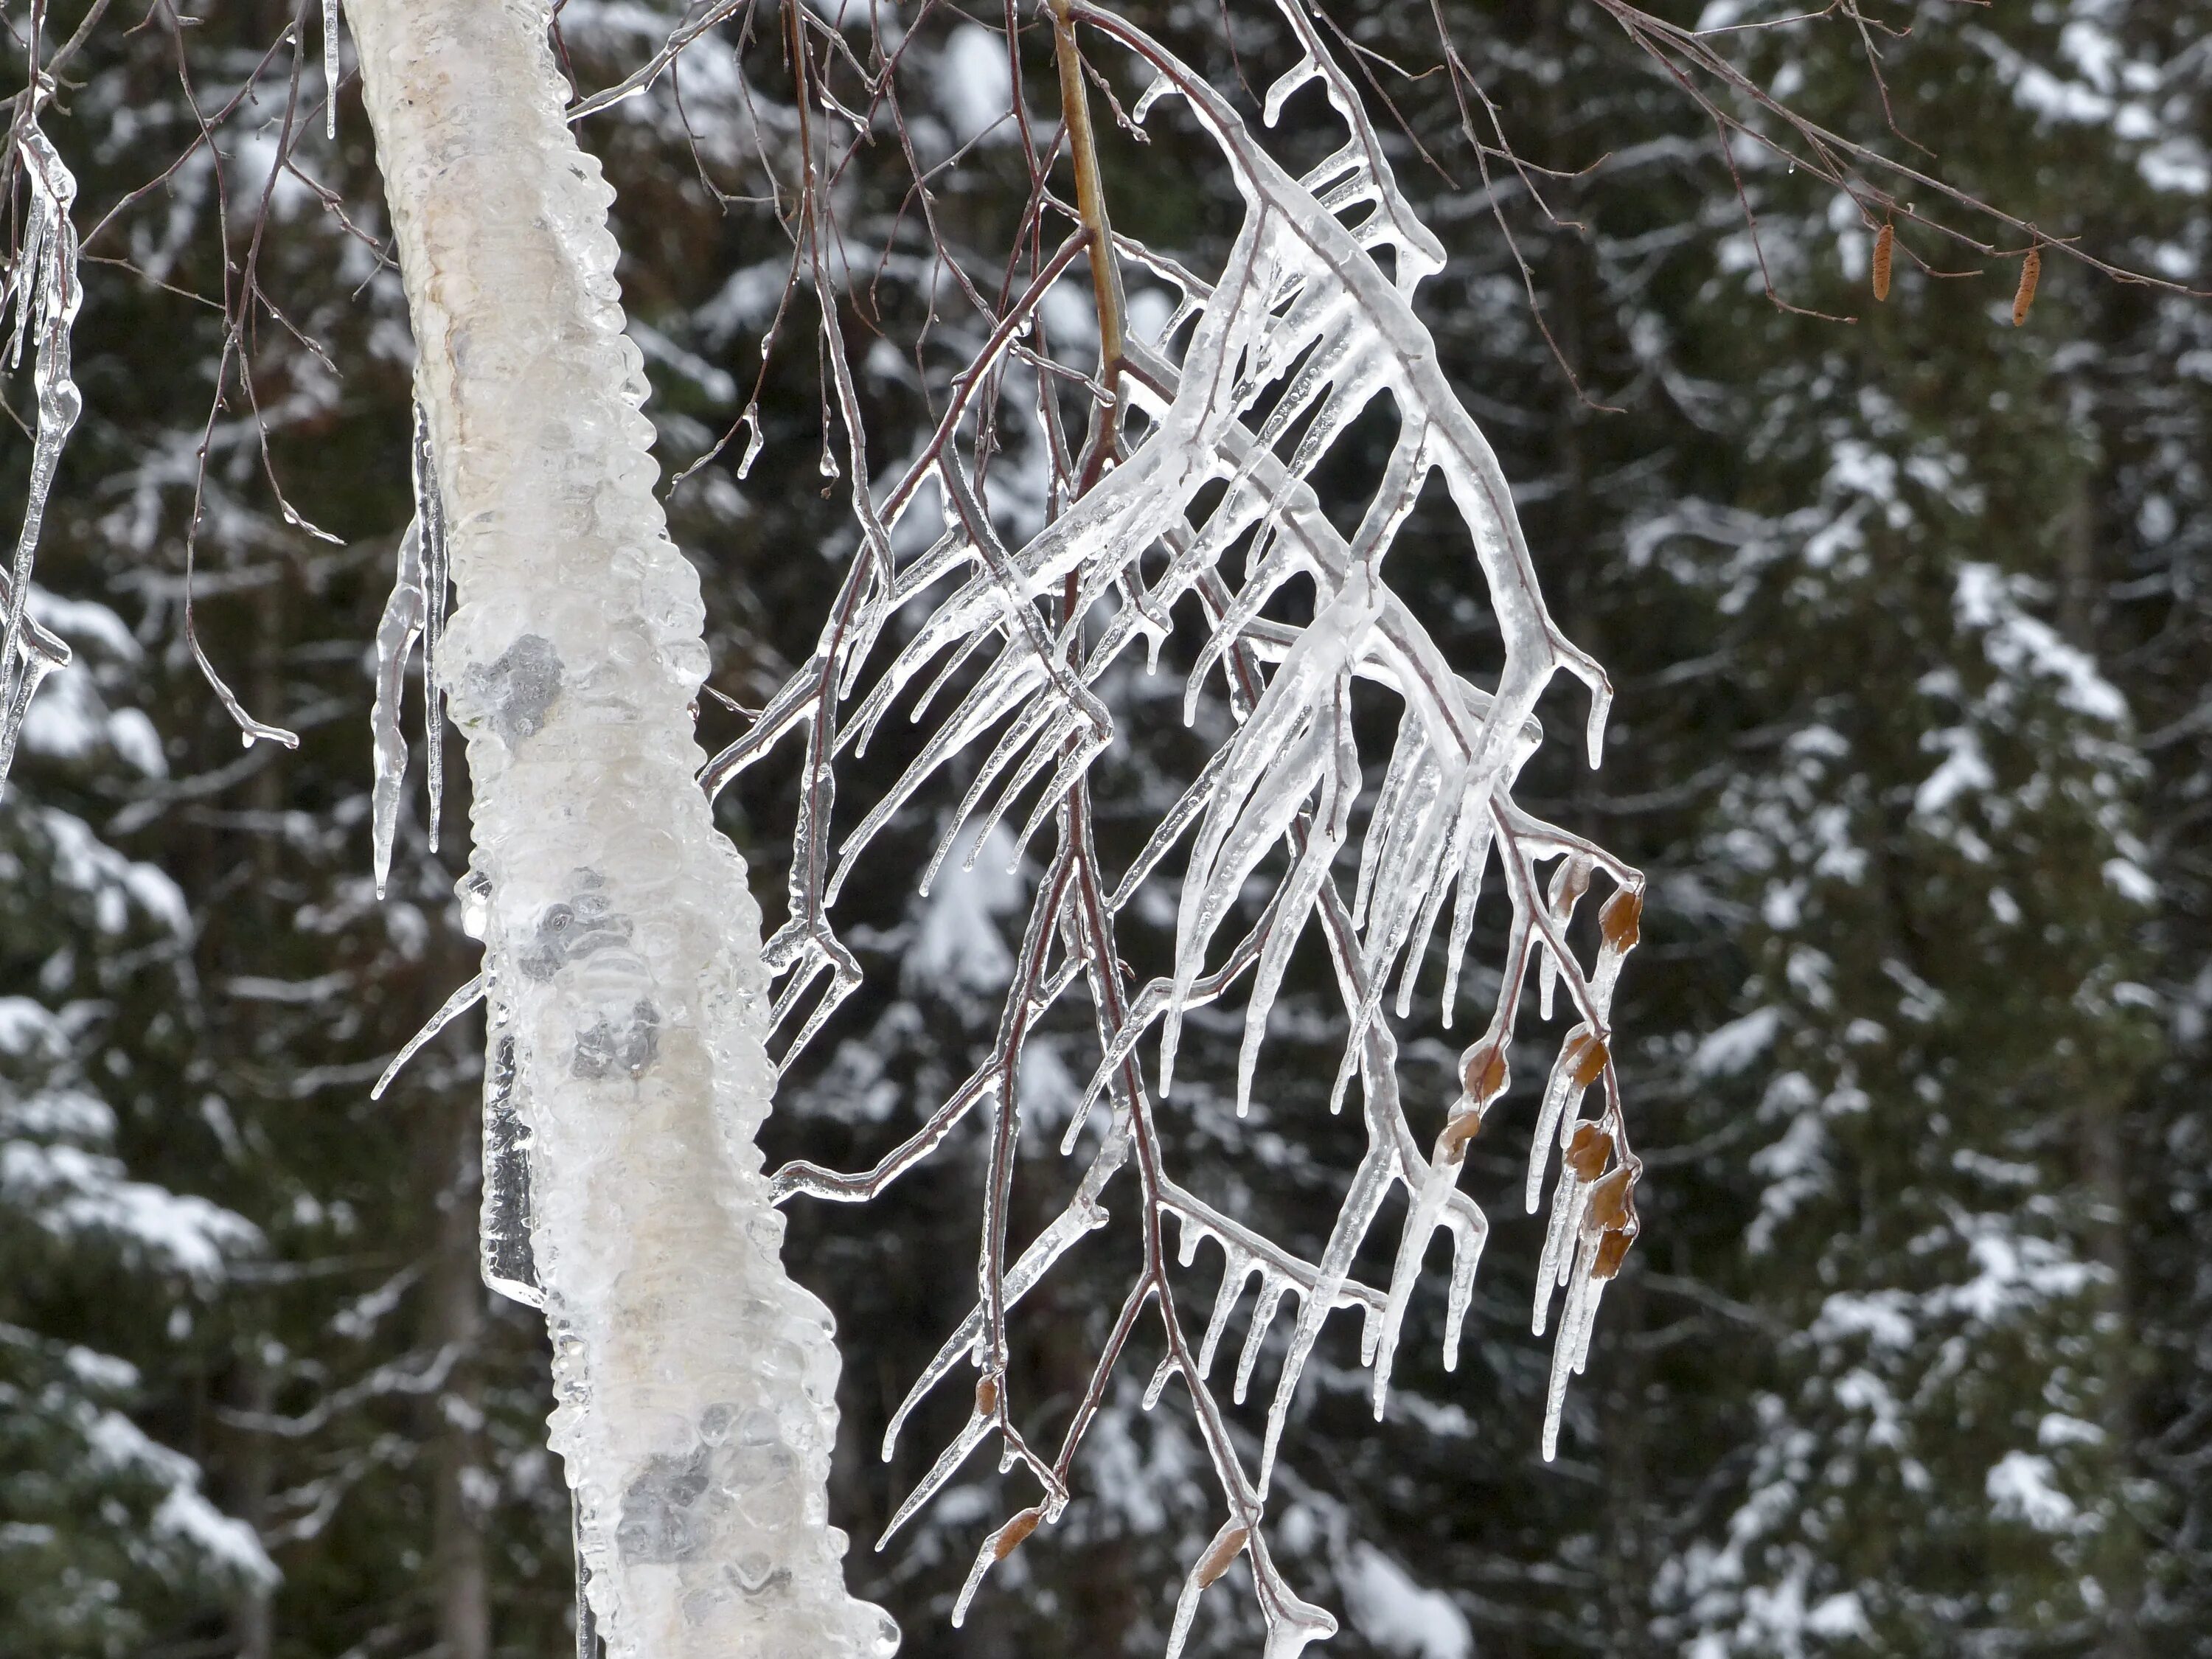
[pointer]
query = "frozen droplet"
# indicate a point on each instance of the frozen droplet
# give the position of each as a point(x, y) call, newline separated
point(754, 440)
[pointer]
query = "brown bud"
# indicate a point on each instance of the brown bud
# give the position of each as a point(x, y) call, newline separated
point(1620, 923)
point(1009, 1537)
point(1586, 1057)
point(1463, 1127)
point(1612, 1251)
point(1608, 1202)
point(987, 1395)
point(1573, 881)
point(1885, 247)
point(1226, 1549)
point(1483, 1074)
point(1587, 1151)
point(1572, 1051)
point(2030, 268)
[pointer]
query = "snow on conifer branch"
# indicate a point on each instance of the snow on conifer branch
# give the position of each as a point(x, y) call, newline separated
point(1193, 451)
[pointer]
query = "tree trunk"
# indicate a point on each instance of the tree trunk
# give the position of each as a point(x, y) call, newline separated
point(696, 1382)
point(459, 1498)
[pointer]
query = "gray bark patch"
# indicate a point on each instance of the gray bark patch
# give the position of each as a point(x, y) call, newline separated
point(514, 692)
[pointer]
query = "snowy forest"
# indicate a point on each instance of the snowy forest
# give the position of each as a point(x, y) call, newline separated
point(1850, 370)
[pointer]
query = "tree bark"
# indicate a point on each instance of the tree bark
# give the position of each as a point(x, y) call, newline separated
point(459, 1481)
point(696, 1382)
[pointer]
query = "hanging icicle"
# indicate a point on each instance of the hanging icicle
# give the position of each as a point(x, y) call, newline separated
point(41, 288)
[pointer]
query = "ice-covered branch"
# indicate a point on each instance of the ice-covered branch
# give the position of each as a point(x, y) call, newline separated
point(1188, 515)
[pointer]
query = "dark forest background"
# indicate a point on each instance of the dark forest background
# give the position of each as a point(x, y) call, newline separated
point(1910, 616)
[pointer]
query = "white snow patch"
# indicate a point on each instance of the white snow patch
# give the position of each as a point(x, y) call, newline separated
point(230, 1543)
point(956, 943)
point(1881, 1317)
point(1048, 1092)
point(2021, 1488)
point(2018, 642)
point(1151, 311)
point(114, 1440)
point(25, 1025)
point(1964, 769)
point(84, 622)
point(1734, 1046)
point(2131, 881)
point(1398, 1615)
point(67, 720)
point(2057, 1429)
point(1839, 1617)
point(71, 1190)
point(974, 84)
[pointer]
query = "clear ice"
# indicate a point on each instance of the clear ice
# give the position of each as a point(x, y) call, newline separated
point(42, 289)
point(1209, 504)
point(696, 1382)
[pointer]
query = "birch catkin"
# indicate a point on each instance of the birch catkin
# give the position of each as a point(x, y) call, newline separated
point(2031, 269)
point(1885, 247)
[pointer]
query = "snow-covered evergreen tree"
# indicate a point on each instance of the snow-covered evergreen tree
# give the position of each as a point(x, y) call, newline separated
point(109, 1537)
point(1793, 698)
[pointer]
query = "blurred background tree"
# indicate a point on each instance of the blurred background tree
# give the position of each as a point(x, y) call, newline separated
point(1909, 616)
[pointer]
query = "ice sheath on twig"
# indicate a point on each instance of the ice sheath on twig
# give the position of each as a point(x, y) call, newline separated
point(1198, 445)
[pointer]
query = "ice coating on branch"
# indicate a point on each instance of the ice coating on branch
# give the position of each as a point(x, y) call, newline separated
point(998, 648)
point(628, 1077)
point(41, 290)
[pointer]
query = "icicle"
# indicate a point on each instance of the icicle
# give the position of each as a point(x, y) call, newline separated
point(329, 70)
point(587, 1625)
point(1227, 1544)
point(1574, 1331)
point(1581, 1063)
point(1470, 864)
point(754, 441)
point(1153, 1390)
point(946, 1466)
point(1586, 1322)
point(1466, 1257)
point(1236, 1268)
point(1568, 886)
point(437, 582)
point(44, 287)
point(1568, 1199)
point(1273, 1286)
point(416, 610)
point(1157, 89)
point(395, 643)
point(454, 1006)
point(1377, 1174)
point(996, 1549)
point(34, 666)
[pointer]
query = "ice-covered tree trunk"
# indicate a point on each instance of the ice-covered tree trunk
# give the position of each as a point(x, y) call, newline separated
point(696, 1381)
